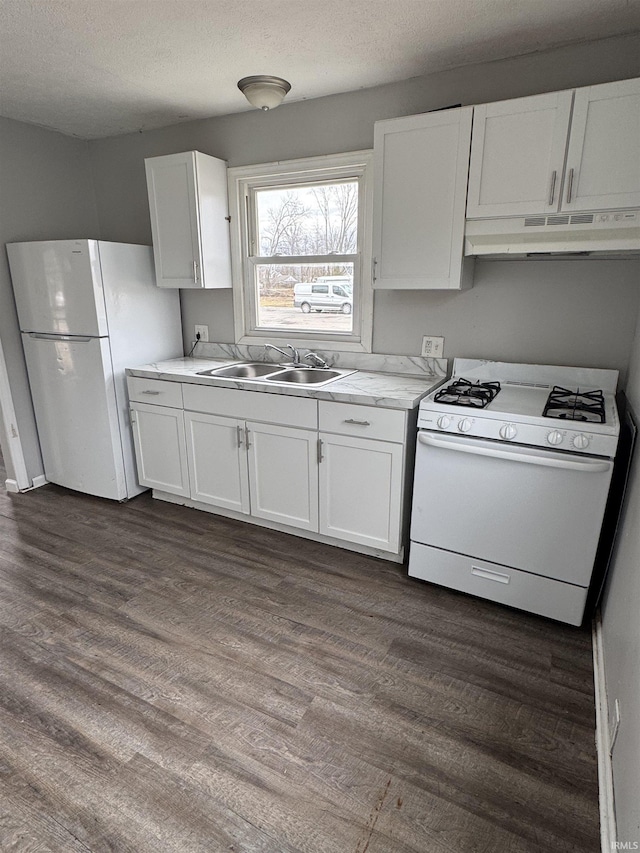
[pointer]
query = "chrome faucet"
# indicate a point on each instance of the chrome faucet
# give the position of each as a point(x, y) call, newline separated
point(295, 355)
point(318, 361)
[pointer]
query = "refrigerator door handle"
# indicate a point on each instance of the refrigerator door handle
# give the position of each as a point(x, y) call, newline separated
point(41, 336)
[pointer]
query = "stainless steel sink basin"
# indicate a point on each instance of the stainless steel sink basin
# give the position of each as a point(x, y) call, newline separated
point(250, 370)
point(259, 371)
point(306, 375)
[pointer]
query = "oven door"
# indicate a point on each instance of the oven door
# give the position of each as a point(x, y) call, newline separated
point(535, 510)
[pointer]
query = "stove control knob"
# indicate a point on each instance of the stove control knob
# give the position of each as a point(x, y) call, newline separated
point(508, 431)
point(443, 422)
point(555, 437)
point(581, 441)
point(464, 425)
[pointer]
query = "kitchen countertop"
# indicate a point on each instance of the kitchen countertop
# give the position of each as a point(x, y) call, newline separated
point(387, 390)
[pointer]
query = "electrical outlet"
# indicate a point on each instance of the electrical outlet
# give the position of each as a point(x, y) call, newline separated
point(204, 333)
point(432, 347)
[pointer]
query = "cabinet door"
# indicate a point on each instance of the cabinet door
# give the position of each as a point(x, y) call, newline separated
point(188, 208)
point(361, 490)
point(603, 161)
point(217, 457)
point(518, 149)
point(283, 474)
point(173, 206)
point(420, 186)
point(159, 440)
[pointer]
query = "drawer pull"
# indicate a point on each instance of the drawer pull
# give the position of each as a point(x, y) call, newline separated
point(489, 575)
point(152, 393)
point(357, 423)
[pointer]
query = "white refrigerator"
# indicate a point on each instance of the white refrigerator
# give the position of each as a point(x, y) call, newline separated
point(87, 310)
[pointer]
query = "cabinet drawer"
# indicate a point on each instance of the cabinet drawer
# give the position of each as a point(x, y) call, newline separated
point(252, 406)
point(555, 599)
point(364, 421)
point(156, 391)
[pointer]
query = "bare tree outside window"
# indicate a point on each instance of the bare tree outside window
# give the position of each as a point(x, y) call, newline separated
point(305, 224)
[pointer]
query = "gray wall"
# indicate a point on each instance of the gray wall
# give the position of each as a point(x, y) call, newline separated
point(621, 639)
point(575, 312)
point(530, 310)
point(47, 194)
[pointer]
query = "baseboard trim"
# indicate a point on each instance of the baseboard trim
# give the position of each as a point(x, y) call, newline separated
point(13, 487)
point(608, 831)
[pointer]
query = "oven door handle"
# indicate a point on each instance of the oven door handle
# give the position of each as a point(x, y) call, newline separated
point(588, 466)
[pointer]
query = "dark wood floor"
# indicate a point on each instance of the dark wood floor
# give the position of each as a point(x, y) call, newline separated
point(173, 681)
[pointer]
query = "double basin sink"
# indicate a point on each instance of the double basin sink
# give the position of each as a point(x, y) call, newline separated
point(291, 375)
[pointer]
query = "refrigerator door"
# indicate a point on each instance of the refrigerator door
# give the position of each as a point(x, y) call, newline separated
point(58, 287)
point(75, 403)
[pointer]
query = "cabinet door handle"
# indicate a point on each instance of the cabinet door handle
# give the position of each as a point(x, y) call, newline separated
point(552, 188)
point(195, 272)
point(357, 423)
point(320, 457)
point(247, 440)
point(132, 416)
point(240, 436)
point(570, 187)
point(152, 393)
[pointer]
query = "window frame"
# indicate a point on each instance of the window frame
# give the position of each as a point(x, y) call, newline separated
point(242, 181)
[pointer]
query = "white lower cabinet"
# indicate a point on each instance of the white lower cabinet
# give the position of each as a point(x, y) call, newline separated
point(283, 475)
point(218, 470)
point(267, 471)
point(159, 440)
point(336, 470)
point(361, 490)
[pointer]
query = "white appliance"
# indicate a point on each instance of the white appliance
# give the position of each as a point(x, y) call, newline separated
point(513, 466)
point(88, 309)
point(608, 232)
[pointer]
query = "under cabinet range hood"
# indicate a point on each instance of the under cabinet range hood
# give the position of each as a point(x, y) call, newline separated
point(607, 232)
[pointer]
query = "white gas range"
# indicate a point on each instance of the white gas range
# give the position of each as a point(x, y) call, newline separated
point(513, 466)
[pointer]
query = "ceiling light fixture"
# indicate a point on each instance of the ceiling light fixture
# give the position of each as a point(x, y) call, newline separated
point(263, 91)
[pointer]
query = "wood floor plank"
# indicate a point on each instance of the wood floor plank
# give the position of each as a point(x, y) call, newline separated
point(175, 681)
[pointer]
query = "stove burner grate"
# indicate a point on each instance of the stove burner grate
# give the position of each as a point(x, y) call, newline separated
point(461, 392)
point(575, 405)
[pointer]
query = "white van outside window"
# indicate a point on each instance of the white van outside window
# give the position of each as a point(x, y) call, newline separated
point(327, 293)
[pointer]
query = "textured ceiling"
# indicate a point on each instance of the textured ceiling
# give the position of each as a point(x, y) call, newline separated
point(93, 68)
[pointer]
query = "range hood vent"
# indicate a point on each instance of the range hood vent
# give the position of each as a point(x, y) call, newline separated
point(611, 231)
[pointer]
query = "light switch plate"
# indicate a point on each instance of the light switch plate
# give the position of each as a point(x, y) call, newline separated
point(432, 347)
point(204, 333)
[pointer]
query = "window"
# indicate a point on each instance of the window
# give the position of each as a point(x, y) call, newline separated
point(301, 252)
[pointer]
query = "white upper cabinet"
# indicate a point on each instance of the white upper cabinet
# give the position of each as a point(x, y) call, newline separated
point(189, 220)
point(518, 150)
point(537, 156)
point(603, 160)
point(421, 166)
